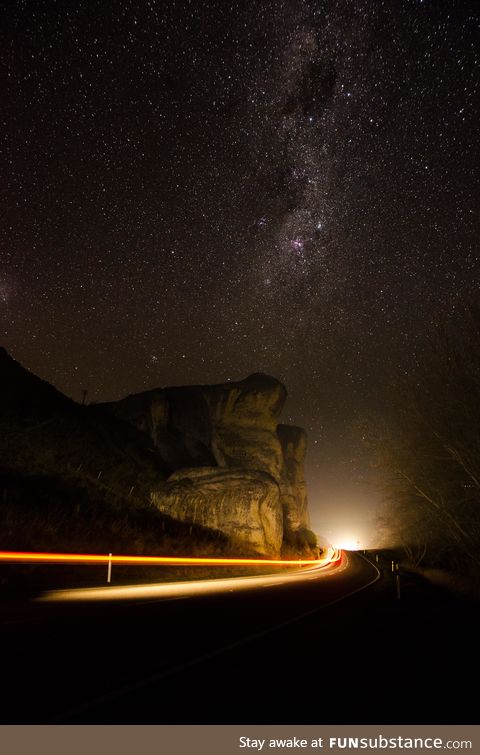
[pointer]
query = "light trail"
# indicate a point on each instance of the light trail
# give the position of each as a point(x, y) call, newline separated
point(330, 555)
point(178, 590)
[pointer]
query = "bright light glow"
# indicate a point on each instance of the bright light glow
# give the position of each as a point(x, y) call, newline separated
point(348, 543)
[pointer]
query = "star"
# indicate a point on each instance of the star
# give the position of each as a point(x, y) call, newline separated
point(294, 172)
point(297, 244)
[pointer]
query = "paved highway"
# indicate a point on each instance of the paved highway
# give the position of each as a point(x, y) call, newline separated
point(329, 649)
point(187, 655)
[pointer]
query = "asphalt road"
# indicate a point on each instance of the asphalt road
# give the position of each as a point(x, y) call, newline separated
point(320, 650)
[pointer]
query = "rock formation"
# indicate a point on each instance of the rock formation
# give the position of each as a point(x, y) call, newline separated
point(233, 467)
point(293, 488)
point(243, 504)
point(212, 456)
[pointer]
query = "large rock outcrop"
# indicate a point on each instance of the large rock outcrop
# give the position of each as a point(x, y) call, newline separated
point(233, 467)
point(213, 456)
point(243, 504)
point(293, 487)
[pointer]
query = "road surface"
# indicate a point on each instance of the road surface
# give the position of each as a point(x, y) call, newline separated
point(315, 651)
point(130, 661)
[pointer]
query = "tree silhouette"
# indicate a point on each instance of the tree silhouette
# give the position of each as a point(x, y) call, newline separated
point(430, 453)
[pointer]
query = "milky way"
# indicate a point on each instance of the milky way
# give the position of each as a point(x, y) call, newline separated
point(201, 190)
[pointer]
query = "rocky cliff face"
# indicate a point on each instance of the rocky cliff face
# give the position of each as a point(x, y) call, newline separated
point(241, 503)
point(293, 487)
point(233, 467)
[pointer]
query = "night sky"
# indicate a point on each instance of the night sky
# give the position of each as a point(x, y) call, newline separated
point(194, 191)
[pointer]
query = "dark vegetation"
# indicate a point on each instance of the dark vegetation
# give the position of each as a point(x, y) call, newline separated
point(429, 454)
point(68, 512)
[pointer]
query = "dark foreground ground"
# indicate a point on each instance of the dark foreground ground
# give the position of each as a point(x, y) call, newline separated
point(366, 659)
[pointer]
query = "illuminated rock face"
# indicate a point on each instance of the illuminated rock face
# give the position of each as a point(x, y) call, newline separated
point(293, 487)
point(244, 419)
point(228, 440)
point(243, 504)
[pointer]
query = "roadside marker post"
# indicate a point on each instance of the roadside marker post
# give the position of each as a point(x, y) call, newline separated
point(109, 569)
point(397, 586)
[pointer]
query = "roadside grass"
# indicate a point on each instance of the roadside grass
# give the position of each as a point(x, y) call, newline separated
point(75, 514)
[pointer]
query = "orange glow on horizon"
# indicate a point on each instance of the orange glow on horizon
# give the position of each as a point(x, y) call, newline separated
point(332, 555)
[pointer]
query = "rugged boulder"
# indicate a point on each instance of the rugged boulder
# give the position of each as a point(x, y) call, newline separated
point(212, 456)
point(241, 503)
point(230, 434)
point(228, 425)
point(293, 487)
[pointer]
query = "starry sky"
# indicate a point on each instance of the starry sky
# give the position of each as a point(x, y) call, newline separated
point(195, 191)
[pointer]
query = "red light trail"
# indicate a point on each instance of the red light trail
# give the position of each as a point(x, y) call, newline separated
point(332, 555)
